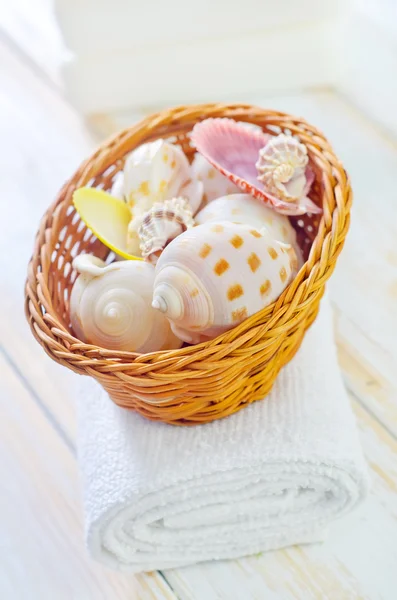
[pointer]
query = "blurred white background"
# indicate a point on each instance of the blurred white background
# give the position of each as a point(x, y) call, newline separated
point(128, 54)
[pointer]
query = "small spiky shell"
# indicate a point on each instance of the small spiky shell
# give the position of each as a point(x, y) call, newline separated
point(281, 166)
point(161, 224)
point(215, 275)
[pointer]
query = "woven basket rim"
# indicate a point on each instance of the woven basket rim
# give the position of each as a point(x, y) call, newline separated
point(293, 304)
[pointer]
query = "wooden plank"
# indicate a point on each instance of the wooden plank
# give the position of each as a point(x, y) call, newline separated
point(42, 555)
point(45, 141)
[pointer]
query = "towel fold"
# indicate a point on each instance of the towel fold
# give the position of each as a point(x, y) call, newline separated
point(274, 474)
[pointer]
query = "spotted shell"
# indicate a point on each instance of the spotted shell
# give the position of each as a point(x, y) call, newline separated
point(155, 172)
point(110, 306)
point(214, 276)
point(161, 224)
point(244, 208)
point(234, 151)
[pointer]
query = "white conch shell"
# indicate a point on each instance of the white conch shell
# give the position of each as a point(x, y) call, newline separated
point(244, 208)
point(155, 172)
point(215, 275)
point(161, 224)
point(281, 165)
point(110, 307)
point(214, 183)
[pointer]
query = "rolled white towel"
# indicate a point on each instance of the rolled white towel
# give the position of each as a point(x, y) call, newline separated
point(274, 474)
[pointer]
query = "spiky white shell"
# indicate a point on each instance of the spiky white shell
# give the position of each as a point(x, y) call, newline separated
point(281, 166)
point(110, 307)
point(215, 275)
point(161, 224)
point(244, 208)
point(155, 172)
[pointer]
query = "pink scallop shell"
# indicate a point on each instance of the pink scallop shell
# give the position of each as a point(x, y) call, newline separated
point(233, 150)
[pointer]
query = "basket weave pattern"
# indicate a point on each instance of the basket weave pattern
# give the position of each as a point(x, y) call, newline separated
point(214, 379)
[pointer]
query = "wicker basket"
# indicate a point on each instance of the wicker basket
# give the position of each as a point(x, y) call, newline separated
point(214, 379)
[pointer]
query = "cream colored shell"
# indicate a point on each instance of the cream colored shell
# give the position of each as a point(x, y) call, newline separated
point(215, 275)
point(161, 224)
point(214, 183)
point(281, 166)
point(110, 306)
point(155, 172)
point(244, 208)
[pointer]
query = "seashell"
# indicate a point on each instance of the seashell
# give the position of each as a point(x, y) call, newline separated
point(214, 183)
point(193, 191)
point(155, 172)
point(214, 276)
point(107, 217)
point(110, 307)
point(282, 167)
point(161, 224)
point(243, 208)
point(234, 151)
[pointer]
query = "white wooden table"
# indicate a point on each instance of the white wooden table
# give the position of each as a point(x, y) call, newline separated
point(42, 554)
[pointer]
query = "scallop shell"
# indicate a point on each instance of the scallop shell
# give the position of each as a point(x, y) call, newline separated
point(110, 307)
point(215, 275)
point(243, 208)
point(234, 151)
point(107, 217)
point(161, 224)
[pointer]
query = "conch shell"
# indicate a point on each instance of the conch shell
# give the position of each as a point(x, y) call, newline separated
point(243, 208)
point(110, 307)
point(234, 150)
point(214, 276)
point(161, 224)
point(155, 172)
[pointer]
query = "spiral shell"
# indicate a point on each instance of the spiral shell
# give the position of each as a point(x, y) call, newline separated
point(281, 166)
point(161, 224)
point(234, 151)
point(243, 208)
point(110, 307)
point(214, 276)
